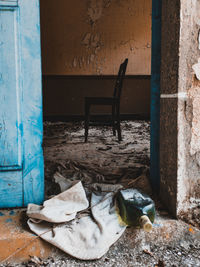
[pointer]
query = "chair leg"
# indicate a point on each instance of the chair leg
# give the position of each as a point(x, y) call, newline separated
point(119, 131)
point(113, 120)
point(118, 125)
point(87, 114)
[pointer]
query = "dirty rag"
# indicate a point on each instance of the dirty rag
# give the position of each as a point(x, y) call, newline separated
point(87, 236)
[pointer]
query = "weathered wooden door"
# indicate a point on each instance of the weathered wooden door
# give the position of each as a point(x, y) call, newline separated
point(21, 158)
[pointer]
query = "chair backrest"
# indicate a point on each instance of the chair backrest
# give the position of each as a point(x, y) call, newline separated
point(120, 78)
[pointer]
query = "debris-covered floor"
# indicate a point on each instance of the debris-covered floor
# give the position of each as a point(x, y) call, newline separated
point(104, 160)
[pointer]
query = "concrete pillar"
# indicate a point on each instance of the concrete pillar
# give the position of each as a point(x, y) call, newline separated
point(180, 106)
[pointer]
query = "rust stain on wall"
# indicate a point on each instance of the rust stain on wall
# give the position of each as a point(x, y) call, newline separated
point(92, 37)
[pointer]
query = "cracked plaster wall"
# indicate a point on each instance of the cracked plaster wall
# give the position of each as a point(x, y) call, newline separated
point(92, 37)
point(189, 110)
point(180, 128)
point(168, 106)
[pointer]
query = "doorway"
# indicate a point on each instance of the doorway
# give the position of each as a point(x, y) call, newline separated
point(83, 44)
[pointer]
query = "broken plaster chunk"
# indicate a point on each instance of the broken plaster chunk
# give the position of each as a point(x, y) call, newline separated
point(86, 39)
point(196, 68)
point(148, 45)
point(95, 40)
point(63, 182)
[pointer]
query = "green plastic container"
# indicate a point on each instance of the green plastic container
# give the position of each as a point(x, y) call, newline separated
point(135, 208)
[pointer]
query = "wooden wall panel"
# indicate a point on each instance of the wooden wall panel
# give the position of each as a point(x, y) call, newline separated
point(64, 95)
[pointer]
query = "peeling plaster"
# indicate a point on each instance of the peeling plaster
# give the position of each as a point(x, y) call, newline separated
point(94, 36)
point(198, 158)
point(196, 68)
point(92, 42)
point(107, 3)
point(197, 10)
point(92, 57)
point(74, 64)
point(199, 39)
point(194, 95)
point(83, 61)
point(181, 125)
point(86, 39)
point(95, 10)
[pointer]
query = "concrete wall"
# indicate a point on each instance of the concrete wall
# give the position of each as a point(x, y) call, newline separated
point(91, 38)
point(180, 109)
point(168, 106)
point(189, 110)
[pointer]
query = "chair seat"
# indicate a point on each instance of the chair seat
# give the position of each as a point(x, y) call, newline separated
point(101, 100)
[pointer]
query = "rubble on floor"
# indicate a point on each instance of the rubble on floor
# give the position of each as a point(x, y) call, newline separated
point(104, 160)
point(171, 243)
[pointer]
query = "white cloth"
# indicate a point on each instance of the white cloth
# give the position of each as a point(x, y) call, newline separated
point(87, 237)
point(61, 208)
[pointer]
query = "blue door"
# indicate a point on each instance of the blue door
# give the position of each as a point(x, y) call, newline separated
point(21, 157)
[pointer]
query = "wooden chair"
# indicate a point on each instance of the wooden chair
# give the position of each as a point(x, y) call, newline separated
point(114, 102)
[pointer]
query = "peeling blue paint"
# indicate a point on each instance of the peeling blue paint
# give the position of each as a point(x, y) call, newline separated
point(12, 212)
point(32, 45)
point(20, 126)
point(8, 220)
point(33, 172)
point(10, 141)
point(21, 175)
point(38, 27)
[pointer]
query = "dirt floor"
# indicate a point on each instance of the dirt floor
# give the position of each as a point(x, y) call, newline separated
point(104, 160)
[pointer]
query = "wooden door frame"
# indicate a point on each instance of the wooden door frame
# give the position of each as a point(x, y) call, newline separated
point(155, 95)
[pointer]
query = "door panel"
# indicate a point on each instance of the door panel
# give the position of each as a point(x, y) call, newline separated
point(11, 191)
point(21, 155)
point(8, 3)
point(10, 132)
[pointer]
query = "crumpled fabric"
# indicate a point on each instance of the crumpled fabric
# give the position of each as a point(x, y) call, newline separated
point(87, 236)
point(61, 208)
